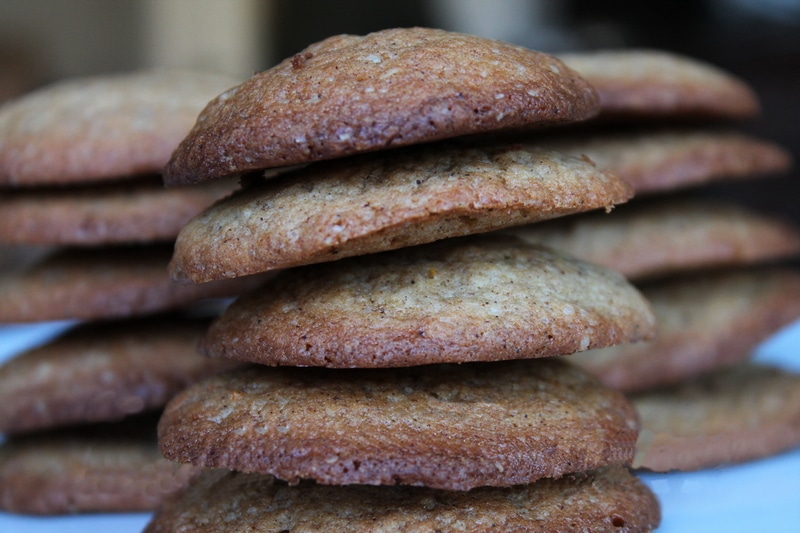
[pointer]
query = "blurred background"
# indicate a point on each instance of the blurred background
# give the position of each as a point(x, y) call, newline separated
point(757, 40)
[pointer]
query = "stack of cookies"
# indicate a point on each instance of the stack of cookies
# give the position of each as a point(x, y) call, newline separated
point(402, 361)
point(87, 231)
point(709, 269)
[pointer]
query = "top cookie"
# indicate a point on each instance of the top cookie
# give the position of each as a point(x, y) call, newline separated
point(350, 94)
point(653, 83)
point(102, 127)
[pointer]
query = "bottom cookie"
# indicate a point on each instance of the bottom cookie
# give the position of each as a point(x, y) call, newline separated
point(104, 468)
point(609, 499)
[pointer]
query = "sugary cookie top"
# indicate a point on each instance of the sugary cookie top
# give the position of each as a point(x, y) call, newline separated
point(350, 94)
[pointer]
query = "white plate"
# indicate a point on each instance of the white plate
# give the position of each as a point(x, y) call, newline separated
point(758, 496)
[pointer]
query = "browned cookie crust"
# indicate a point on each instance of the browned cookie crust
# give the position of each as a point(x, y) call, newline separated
point(483, 298)
point(656, 161)
point(350, 94)
point(217, 501)
point(664, 237)
point(654, 83)
point(135, 211)
point(104, 468)
point(705, 321)
point(103, 283)
point(444, 426)
point(101, 128)
point(374, 203)
point(743, 413)
point(102, 372)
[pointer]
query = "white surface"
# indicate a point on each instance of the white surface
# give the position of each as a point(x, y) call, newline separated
point(759, 496)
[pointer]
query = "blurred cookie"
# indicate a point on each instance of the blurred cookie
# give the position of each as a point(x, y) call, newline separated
point(657, 238)
point(102, 127)
point(104, 468)
point(704, 322)
point(608, 499)
point(102, 371)
point(482, 298)
point(667, 160)
point(380, 202)
point(99, 283)
point(454, 427)
point(739, 414)
point(654, 83)
point(133, 211)
point(350, 94)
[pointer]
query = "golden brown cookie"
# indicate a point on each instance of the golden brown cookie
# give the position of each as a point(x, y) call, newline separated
point(483, 298)
point(102, 371)
point(444, 426)
point(98, 283)
point(730, 416)
point(664, 237)
point(379, 202)
point(705, 321)
point(656, 161)
point(655, 83)
point(101, 128)
point(216, 501)
point(350, 94)
point(134, 211)
point(104, 468)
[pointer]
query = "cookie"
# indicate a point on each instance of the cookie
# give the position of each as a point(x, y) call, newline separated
point(104, 468)
point(740, 414)
point(665, 237)
point(101, 283)
point(483, 298)
point(380, 202)
point(453, 427)
point(101, 128)
point(135, 211)
point(102, 371)
point(608, 499)
point(657, 84)
point(657, 161)
point(705, 321)
point(350, 94)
